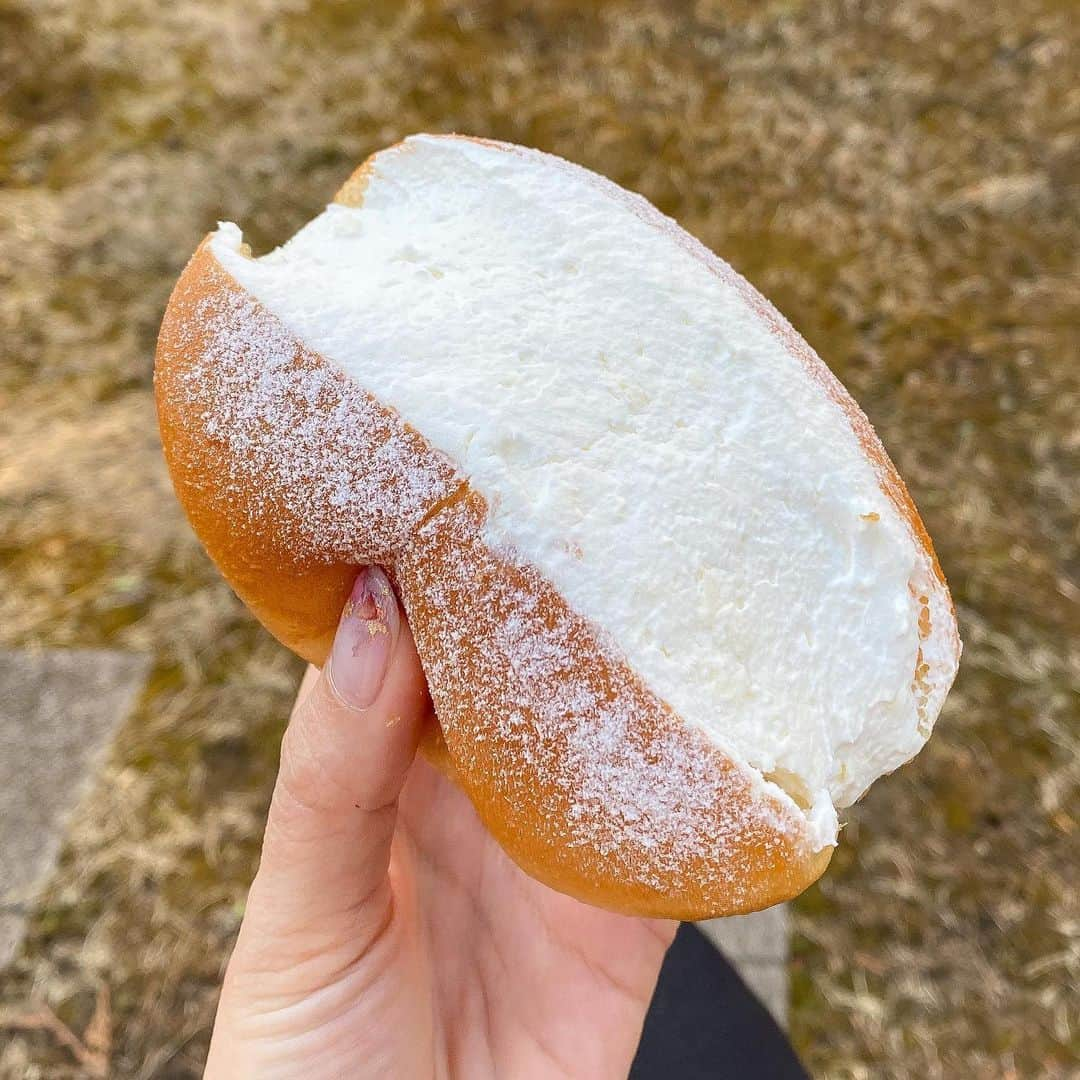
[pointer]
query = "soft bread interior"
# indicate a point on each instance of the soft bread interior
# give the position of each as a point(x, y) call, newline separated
point(646, 436)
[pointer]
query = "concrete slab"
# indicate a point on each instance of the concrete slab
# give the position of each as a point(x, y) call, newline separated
point(757, 946)
point(59, 710)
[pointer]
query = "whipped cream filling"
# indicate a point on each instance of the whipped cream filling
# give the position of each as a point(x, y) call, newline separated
point(645, 438)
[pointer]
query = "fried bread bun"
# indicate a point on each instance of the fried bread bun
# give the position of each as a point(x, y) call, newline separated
point(673, 602)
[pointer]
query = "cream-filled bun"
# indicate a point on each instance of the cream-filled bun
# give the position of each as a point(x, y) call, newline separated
point(674, 604)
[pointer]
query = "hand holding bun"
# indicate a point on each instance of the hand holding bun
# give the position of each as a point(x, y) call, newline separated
point(672, 600)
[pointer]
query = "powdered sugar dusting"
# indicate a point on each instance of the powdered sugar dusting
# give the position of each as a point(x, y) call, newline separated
point(528, 691)
point(306, 454)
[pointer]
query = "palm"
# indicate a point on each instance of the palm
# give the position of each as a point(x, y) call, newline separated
point(520, 980)
point(399, 940)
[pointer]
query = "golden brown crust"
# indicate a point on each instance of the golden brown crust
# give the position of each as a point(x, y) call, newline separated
point(298, 603)
point(351, 193)
point(591, 783)
point(530, 702)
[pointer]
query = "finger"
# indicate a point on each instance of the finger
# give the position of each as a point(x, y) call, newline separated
point(344, 757)
point(310, 678)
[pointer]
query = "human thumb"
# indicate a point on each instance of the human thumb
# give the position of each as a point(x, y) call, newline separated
point(344, 757)
point(322, 897)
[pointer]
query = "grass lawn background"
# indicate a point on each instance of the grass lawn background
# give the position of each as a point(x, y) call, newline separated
point(902, 179)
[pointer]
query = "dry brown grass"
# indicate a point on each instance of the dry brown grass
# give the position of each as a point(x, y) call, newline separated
point(901, 178)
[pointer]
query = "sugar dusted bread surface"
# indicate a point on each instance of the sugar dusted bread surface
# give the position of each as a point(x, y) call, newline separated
point(673, 602)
